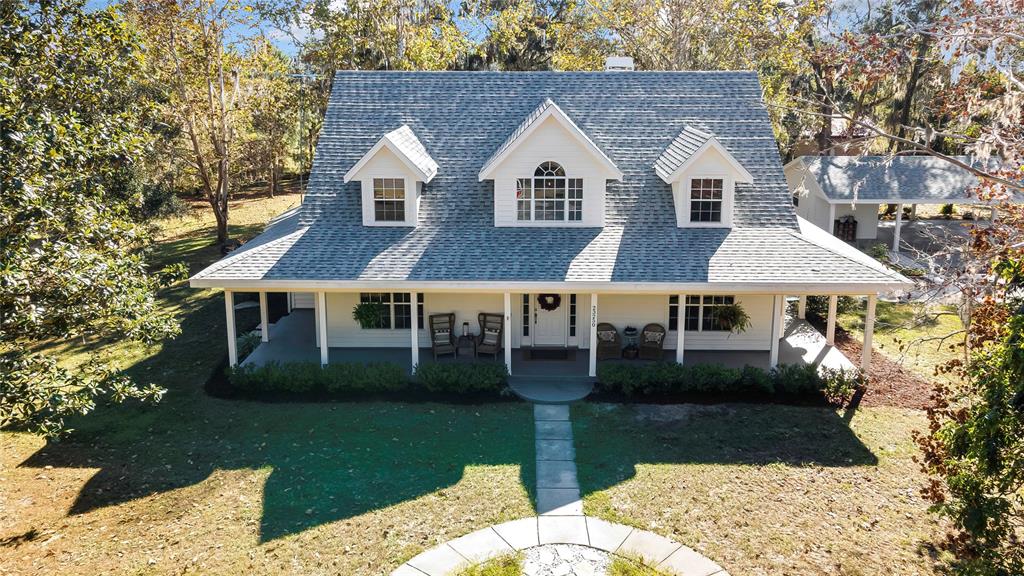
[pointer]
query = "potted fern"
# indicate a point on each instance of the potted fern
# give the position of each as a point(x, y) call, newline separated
point(733, 317)
point(369, 314)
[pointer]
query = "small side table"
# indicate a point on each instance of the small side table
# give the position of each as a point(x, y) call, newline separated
point(468, 340)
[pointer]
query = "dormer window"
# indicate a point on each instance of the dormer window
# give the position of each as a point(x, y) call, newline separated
point(389, 199)
point(706, 199)
point(549, 195)
point(703, 175)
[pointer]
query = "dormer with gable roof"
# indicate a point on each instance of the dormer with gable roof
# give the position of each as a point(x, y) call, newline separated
point(392, 174)
point(549, 173)
point(703, 176)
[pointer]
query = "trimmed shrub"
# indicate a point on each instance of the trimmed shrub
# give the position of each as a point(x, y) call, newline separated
point(277, 377)
point(463, 378)
point(667, 380)
point(355, 377)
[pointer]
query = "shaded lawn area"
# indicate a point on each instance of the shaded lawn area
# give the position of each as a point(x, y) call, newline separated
point(763, 489)
point(909, 333)
point(197, 484)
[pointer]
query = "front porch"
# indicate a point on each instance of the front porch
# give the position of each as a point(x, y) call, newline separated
point(293, 339)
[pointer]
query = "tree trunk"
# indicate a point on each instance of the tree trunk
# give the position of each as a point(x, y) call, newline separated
point(273, 176)
point(906, 104)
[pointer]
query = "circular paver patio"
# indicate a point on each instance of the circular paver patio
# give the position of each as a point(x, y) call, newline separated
point(658, 552)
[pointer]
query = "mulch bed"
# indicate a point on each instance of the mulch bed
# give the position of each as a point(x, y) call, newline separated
point(890, 384)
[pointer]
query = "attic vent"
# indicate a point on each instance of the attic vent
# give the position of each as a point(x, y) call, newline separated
point(619, 64)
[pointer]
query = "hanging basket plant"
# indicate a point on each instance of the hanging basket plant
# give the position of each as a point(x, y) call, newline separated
point(733, 318)
point(549, 302)
point(369, 314)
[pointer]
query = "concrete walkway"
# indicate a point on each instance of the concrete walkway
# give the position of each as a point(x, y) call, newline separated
point(662, 554)
point(558, 487)
point(551, 389)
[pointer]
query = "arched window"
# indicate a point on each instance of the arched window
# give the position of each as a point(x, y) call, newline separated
point(549, 195)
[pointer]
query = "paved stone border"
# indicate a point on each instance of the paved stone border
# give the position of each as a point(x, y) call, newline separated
point(658, 552)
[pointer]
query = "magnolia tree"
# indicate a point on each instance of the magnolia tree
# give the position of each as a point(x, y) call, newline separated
point(72, 111)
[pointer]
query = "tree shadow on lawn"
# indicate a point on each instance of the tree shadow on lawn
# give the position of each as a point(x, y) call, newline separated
point(327, 462)
point(752, 434)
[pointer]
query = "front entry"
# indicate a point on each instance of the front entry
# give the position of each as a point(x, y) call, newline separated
point(550, 327)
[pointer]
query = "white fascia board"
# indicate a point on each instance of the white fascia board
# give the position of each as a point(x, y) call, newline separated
point(382, 143)
point(965, 200)
point(555, 112)
point(790, 288)
point(742, 175)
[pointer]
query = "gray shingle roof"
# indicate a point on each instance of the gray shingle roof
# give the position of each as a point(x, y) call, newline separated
point(680, 150)
point(406, 141)
point(463, 117)
point(892, 178)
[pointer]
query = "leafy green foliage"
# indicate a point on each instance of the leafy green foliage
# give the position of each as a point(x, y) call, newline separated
point(370, 315)
point(506, 565)
point(463, 377)
point(71, 110)
point(336, 379)
point(818, 305)
point(668, 380)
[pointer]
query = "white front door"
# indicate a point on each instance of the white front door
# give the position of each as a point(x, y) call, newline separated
point(549, 326)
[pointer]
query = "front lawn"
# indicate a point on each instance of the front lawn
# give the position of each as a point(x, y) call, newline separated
point(763, 489)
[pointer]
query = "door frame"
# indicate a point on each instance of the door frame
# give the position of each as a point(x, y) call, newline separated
point(563, 311)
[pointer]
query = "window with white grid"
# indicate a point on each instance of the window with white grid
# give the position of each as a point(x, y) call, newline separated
point(389, 199)
point(706, 199)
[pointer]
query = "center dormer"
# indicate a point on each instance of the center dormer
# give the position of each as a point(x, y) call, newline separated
point(549, 173)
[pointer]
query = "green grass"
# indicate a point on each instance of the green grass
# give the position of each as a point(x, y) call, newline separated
point(196, 484)
point(624, 567)
point(911, 334)
point(763, 489)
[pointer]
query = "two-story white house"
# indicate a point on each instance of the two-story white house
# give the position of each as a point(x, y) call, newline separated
point(556, 200)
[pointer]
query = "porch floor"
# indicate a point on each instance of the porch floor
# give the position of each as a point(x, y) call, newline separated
point(292, 339)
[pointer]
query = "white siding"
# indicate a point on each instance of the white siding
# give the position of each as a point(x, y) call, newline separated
point(550, 142)
point(710, 164)
point(385, 164)
point(302, 299)
point(638, 310)
point(866, 216)
point(344, 331)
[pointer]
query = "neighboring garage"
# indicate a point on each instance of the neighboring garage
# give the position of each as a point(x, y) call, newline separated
point(843, 194)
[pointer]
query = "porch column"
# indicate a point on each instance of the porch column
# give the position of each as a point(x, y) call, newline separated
point(264, 318)
point(229, 312)
point(832, 219)
point(896, 231)
point(507, 332)
point(773, 356)
point(781, 326)
point(801, 307)
point(592, 370)
point(321, 314)
point(830, 329)
point(414, 333)
point(869, 332)
point(289, 300)
point(913, 211)
point(680, 328)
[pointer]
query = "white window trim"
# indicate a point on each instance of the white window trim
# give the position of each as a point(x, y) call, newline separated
point(412, 199)
point(414, 310)
point(728, 193)
point(565, 199)
point(700, 313)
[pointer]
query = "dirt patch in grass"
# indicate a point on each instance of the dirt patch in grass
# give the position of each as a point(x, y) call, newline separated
point(766, 489)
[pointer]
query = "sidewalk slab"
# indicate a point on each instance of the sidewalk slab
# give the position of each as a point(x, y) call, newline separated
point(438, 561)
point(559, 502)
point(557, 412)
point(653, 548)
point(687, 562)
point(562, 530)
point(481, 545)
point(555, 450)
point(553, 430)
point(554, 474)
point(520, 534)
point(605, 535)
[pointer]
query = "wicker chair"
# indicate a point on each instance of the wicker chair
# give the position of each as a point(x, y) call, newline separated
point(492, 328)
point(442, 334)
point(652, 342)
point(609, 343)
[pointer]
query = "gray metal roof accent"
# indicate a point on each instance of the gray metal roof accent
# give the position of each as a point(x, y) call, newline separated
point(406, 141)
point(680, 150)
point(462, 117)
point(893, 178)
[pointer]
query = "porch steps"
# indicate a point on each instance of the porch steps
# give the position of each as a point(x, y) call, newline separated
point(551, 389)
point(558, 488)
